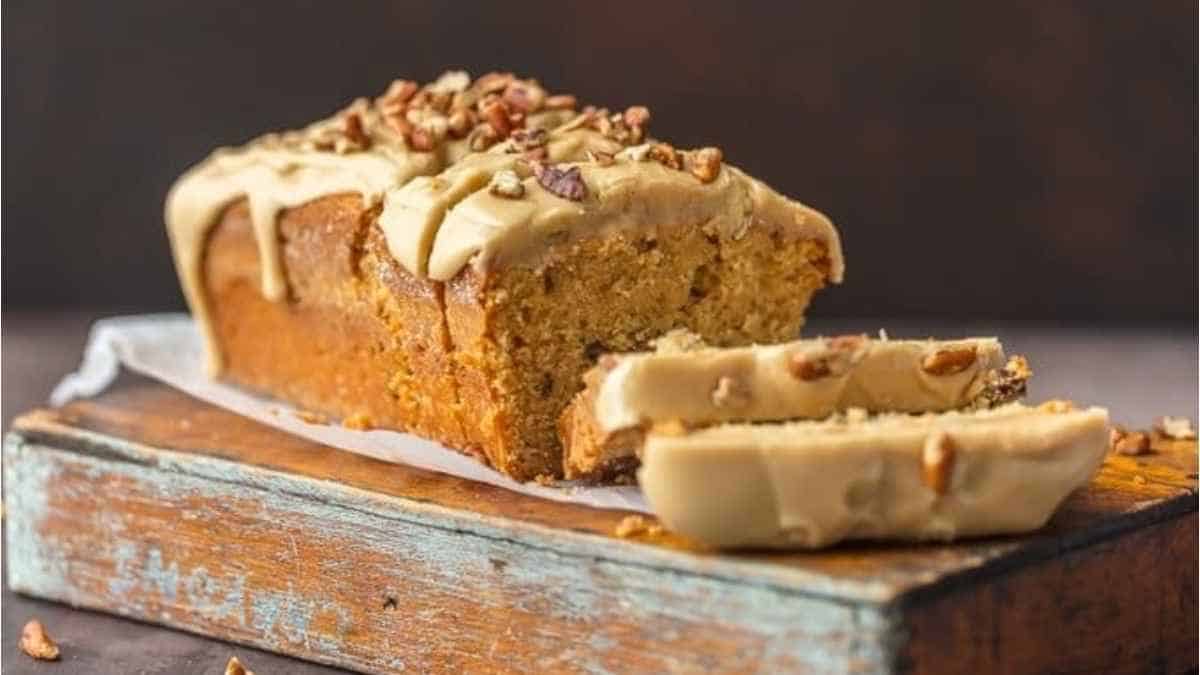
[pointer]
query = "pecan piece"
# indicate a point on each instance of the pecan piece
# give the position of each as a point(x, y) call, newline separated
point(1175, 428)
point(807, 368)
point(497, 114)
point(460, 123)
point(948, 361)
point(601, 158)
point(566, 183)
point(528, 139)
point(937, 462)
point(36, 643)
point(560, 102)
point(507, 184)
point(706, 164)
point(235, 667)
point(665, 154)
point(636, 116)
point(1130, 443)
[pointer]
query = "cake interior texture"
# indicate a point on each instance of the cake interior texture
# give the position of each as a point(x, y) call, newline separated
point(487, 361)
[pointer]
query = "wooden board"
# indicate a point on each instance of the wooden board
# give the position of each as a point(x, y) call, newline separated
point(147, 503)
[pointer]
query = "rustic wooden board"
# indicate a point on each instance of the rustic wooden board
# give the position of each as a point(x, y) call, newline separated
point(147, 503)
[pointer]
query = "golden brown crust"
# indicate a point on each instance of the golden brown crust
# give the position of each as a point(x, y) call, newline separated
point(484, 363)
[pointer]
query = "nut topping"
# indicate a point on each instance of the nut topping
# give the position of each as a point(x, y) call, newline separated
point(706, 164)
point(36, 643)
point(560, 102)
point(1175, 428)
point(1130, 443)
point(528, 139)
point(601, 158)
point(636, 116)
point(729, 393)
point(948, 361)
point(665, 154)
point(565, 183)
point(507, 184)
point(235, 667)
point(496, 114)
point(937, 462)
point(807, 368)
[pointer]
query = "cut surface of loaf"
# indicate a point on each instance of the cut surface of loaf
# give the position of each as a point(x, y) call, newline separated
point(698, 385)
point(810, 484)
point(448, 260)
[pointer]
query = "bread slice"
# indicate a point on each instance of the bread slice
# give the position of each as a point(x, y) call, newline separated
point(684, 381)
point(809, 484)
point(448, 260)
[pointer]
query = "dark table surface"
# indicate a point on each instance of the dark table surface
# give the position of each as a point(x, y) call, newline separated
point(1138, 372)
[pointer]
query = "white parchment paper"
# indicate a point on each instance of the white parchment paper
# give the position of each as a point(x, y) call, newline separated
point(167, 347)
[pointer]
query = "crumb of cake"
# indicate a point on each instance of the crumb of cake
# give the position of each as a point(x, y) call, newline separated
point(808, 369)
point(730, 393)
point(706, 164)
point(637, 525)
point(507, 184)
point(1056, 406)
point(566, 183)
point(937, 462)
point(358, 422)
point(36, 643)
point(1175, 428)
point(1131, 443)
point(545, 480)
point(948, 361)
point(677, 341)
point(311, 417)
point(1139, 479)
point(235, 667)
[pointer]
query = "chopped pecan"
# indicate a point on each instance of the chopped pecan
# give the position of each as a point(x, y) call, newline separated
point(1175, 428)
point(583, 119)
point(421, 140)
point(399, 91)
point(730, 393)
point(483, 137)
point(636, 116)
point(937, 462)
point(948, 361)
point(528, 139)
point(507, 184)
point(235, 667)
point(560, 102)
point(706, 164)
point(493, 82)
point(525, 97)
point(460, 123)
point(566, 183)
point(636, 525)
point(807, 368)
point(1004, 385)
point(1125, 442)
point(36, 643)
point(665, 154)
point(496, 113)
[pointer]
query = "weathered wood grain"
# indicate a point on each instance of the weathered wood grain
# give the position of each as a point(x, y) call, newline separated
point(147, 503)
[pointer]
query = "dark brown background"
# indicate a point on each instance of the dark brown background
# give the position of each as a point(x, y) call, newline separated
point(1025, 159)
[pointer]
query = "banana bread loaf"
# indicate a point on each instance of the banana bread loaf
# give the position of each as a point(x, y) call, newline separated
point(449, 259)
point(684, 381)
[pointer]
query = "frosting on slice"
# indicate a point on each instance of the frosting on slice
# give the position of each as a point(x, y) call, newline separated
point(812, 484)
point(807, 379)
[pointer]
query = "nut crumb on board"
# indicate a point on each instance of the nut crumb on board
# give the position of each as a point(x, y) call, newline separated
point(635, 525)
point(1130, 443)
point(311, 417)
point(36, 643)
point(235, 667)
point(358, 422)
point(1175, 428)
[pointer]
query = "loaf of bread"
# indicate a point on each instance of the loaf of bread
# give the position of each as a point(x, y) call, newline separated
point(449, 259)
point(686, 382)
point(936, 476)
